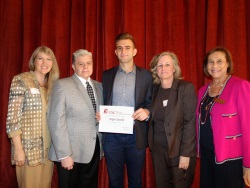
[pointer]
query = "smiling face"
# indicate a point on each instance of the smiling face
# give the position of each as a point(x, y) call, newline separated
point(43, 64)
point(125, 51)
point(83, 66)
point(217, 65)
point(165, 68)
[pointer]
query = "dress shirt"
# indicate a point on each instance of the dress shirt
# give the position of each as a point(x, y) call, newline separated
point(85, 85)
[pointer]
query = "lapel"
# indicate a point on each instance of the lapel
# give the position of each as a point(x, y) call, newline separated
point(138, 83)
point(155, 94)
point(83, 91)
point(98, 94)
point(171, 100)
point(111, 84)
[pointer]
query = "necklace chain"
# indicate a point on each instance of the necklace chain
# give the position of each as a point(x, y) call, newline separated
point(210, 104)
point(207, 108)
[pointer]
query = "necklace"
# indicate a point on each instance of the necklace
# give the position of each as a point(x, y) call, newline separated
point(164, 93)
point(209, 105)
point(216, 90)
point(40, 84)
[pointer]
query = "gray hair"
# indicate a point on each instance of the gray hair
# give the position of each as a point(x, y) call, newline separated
point(80, 52)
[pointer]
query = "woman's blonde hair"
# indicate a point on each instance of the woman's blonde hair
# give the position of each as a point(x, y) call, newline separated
point(53, 74)
point(153, 66)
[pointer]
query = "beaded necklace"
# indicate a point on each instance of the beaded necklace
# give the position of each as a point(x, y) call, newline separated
point(207, 108)
point(210, 104)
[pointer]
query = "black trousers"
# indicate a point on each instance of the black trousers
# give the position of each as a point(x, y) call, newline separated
point(82, 175)
point(226, 175)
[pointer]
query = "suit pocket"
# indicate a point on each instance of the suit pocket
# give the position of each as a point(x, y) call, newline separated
point(229, 122)
point(230, 115)
point(233, 137)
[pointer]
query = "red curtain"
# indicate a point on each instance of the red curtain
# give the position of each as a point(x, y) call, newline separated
point(187, 27)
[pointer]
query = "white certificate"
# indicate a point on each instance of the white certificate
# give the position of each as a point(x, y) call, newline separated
point(116, 119)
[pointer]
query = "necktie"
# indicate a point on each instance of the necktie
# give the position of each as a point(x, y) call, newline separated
point(91, 95)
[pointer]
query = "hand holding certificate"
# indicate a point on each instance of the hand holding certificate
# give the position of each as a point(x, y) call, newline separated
point(116, 119)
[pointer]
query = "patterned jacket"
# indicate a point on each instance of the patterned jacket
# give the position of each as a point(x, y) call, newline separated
point(25, 117)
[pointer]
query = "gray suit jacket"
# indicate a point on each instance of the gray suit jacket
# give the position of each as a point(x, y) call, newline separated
point(71, 120)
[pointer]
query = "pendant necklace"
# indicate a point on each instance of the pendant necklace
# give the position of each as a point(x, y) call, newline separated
point(210, 104)
point(207, 107)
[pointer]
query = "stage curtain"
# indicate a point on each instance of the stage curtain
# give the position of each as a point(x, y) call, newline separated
point(188, 28)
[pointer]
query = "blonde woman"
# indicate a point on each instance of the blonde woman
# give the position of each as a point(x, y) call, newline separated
point(172, 125)
point(26, 120)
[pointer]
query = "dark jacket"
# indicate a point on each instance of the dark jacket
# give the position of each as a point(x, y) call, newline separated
point(179, 119)
point(143, 98)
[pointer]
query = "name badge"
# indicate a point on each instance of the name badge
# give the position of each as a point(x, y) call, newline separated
point(34, 91)
point(220, 101)
point(165, 103)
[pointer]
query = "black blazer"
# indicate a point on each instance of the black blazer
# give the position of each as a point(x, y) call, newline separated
point(143, 98)
point(179, 121)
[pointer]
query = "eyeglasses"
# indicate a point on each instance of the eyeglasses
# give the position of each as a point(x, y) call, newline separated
point(177, 174)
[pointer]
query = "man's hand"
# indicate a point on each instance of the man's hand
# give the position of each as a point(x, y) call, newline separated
point(97, 116)
point(67, 163)
point(141, 114)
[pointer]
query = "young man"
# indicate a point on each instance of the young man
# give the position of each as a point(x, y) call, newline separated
point(127, 85)
point(73, 127)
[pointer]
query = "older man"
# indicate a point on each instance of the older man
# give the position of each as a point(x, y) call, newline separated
point(73, 127)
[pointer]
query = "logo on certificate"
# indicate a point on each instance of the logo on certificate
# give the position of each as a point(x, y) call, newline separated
point(116, 119)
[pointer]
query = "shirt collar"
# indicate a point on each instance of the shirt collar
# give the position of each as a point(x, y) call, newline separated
point(84, 81)
point(122, 71)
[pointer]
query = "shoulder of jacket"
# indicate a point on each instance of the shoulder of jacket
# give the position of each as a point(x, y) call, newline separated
point(24, 75)
point(96, 82)
point(237, 80)
point(67, 79)
point(111, 69)
point(142, 69)
point(64, 83)
point(185, 82)
point(26, 79)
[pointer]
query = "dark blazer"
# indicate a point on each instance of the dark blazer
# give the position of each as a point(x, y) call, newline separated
point(143, 91)
point(179, 119)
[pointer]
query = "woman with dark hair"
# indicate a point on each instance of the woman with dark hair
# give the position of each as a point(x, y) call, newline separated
point(223, 120)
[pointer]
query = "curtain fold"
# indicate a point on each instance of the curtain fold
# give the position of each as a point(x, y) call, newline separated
point(188, 28)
